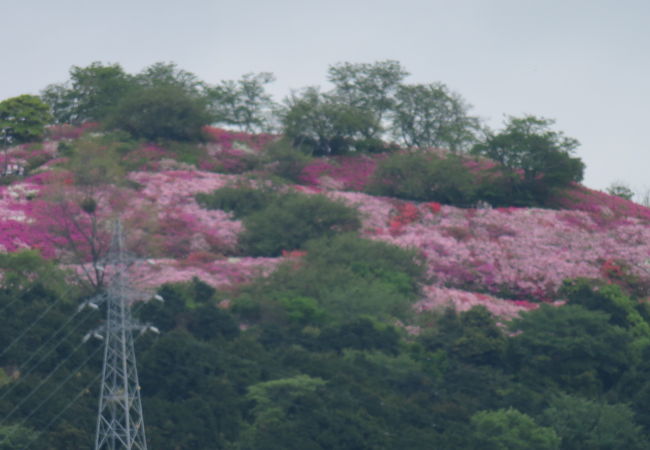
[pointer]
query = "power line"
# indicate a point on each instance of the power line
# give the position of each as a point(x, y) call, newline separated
point(55, 418)
point(26, 330)
point(52, 393)
point(25, 374)
point(42, 383)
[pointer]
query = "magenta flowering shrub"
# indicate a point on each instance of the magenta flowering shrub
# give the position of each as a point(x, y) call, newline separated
point(183, 226)
point(227, 139)
point(512, 252)
point(232, 152)
point(17, 212)
point(604, 207)
point(147, 157)
point(350, 173)
point(230, 160)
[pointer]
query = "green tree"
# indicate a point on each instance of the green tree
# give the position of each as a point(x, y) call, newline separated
point(163, 111)
point(321, 124)
point(569, 347)
point(430, 115)
point(244, 103)
point(169, 74)
point(620, 189)
point(369, 87)
point(587, 424)
point(509, 429)
point(89, 95)
point(22, 119)
point(537, 160)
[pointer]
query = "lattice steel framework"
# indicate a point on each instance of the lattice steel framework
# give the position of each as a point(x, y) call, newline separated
point(120, 422)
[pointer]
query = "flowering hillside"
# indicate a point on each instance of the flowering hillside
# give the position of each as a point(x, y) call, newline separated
point(508, 259)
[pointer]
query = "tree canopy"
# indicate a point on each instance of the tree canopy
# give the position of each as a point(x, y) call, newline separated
point(537, 159)
point(22, 119)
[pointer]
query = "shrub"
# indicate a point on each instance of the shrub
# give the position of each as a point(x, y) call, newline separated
point(241, 201)
point(290, 220)
point(285, 160)
point(424, 177)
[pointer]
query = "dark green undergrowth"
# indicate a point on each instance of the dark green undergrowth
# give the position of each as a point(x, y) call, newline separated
point(313, 357)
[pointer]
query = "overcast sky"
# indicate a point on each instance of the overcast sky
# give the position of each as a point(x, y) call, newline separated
point(584, 63)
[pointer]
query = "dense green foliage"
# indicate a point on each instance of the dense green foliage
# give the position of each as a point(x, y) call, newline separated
point(532, 163)
point(160, 112)
point(278, 221)
point(509, 429)
point(322, 124)
point(22, 119)
point(425, 177)
point(161, 102)
point(292, 365)
point(341, 277)
point(369, 102)
point(240, 200)
point(89, 94)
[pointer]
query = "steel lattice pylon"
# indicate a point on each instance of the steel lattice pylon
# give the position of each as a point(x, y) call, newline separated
point(120, 422)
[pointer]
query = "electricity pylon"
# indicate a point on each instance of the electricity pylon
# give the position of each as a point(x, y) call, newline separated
point(120, 422)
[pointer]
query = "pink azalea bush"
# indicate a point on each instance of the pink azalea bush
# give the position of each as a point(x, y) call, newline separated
point(233, 152)
point(436, 297)
point(220, 273)
point(523, 253)
point(600, 204)
point(185, 227)
point(227, 139)
point(341, 172)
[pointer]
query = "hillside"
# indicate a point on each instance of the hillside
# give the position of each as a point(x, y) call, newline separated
point(303, 311)
point(506, 259)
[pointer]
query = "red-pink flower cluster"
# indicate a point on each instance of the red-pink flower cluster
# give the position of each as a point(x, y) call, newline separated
point(220, 273)
point(436, 297)
point(341, 172)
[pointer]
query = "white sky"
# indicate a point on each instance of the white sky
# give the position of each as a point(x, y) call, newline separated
point(584, 63)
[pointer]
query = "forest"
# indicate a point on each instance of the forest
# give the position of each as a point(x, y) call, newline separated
point(368, 267)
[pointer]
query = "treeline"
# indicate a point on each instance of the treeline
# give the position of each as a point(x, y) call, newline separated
point(370, 109)
point(291, 361)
